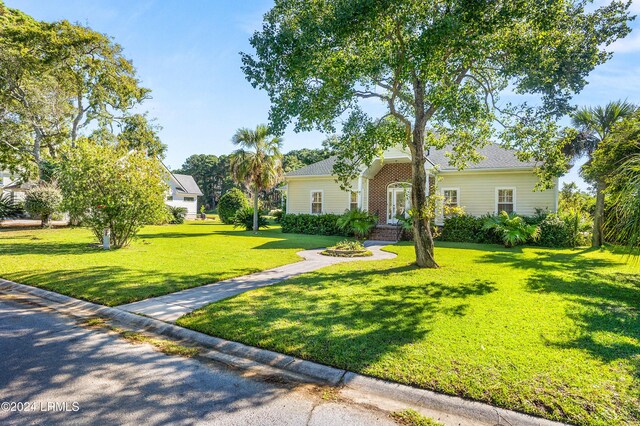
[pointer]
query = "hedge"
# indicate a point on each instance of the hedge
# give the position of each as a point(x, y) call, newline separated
point(312, 224)
point(554, 231)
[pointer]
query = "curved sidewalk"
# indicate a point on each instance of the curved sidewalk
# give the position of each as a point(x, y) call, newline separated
point(172, 306)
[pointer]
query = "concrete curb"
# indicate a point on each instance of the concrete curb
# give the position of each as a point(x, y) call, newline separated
point(314, 372)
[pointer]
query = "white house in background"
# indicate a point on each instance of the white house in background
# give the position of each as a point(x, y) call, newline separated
point(183, 192)
point(13, 186)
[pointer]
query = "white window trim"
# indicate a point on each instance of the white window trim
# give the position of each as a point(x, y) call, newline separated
point(321, 191)
point(358, 193)
point(451, 189)
point(498, 188)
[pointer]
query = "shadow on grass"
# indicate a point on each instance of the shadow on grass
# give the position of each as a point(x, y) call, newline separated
point(547, 260)
point(38, 246)
point(606, 310)
point(116, 285)
point(314, 316)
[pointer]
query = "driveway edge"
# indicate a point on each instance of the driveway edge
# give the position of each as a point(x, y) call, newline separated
point(314, 372)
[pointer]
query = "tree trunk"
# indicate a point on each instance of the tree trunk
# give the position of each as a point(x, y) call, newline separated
point(37, 144)
point(422, 236)
point(255, 211)
point(45, 221)
point(598, 216)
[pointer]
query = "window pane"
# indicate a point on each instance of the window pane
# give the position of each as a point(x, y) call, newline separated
point(505, 195)
point(316, 202)
point(451, 197)
point(505, 207)
point(353, 201)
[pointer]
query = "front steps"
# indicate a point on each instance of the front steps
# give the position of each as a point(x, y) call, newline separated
point(386, 233)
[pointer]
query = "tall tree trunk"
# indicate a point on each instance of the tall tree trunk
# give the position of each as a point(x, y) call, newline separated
point(255, 210)
point(37, 144)
point(598, 216)
point(422, 236)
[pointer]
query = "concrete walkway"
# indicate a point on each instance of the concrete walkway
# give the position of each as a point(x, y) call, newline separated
point(172, 306)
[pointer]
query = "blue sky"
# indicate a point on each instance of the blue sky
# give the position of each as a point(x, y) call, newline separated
point(186, 52)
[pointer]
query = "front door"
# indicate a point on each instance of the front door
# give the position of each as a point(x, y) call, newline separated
point(397, 203)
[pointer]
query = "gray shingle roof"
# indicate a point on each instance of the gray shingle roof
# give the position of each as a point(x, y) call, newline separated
point(188, 184)
point(321, 168)
point(496, 157)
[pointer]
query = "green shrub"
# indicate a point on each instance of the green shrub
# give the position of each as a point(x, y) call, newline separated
point(43, 201)
point(244, 219)
point(358, 222)
point(230, 203)
point(8, 208)
point(564, 230)
point(112, 187)
point(176, 214)
point(312, 224)
point(464, 229)
point(511, 228)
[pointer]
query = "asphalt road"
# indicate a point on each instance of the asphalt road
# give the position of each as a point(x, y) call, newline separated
point(54, 371)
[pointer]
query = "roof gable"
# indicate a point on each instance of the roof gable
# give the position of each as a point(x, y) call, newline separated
point(186, 183)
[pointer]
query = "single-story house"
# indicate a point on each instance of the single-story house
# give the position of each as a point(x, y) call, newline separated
point(498, 182)
point(183, 192)
point(13, 186)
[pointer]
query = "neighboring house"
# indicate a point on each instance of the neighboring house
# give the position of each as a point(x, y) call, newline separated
point(183, 192)
point(498, 182)
point(13, 186)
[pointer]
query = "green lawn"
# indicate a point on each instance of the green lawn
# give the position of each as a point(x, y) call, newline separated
point(554, 333)
point(164, 259)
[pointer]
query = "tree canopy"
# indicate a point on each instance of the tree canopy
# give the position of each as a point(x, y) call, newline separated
point(438, 68)
point(212, 174)
point(57, 80)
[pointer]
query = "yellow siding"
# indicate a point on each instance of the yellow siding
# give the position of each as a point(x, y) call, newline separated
point(334, 199)
point(477, 191)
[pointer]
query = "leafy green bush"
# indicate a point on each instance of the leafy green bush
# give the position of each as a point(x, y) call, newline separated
point(244, 219)
point(313, 224)
point(177, 214)
point(511, 228)
point(112, 187)
point(564, 230)
point(464, 229)
point(358, 222)
point(8, 208)
point(230, 203)
point(43, 201)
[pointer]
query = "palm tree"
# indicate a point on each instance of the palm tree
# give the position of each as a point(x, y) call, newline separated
point(258, 162)
point(595, 125)
point(625, 223)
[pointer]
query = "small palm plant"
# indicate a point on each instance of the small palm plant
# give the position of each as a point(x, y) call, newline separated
point(512, 229)
point(8, 208)
point(357, 221)
point(624, 223)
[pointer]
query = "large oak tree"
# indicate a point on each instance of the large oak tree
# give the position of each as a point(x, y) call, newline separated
point(56, 79)
point(438, 67)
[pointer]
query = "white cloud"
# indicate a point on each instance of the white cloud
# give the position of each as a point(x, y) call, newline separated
point(629, 44)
